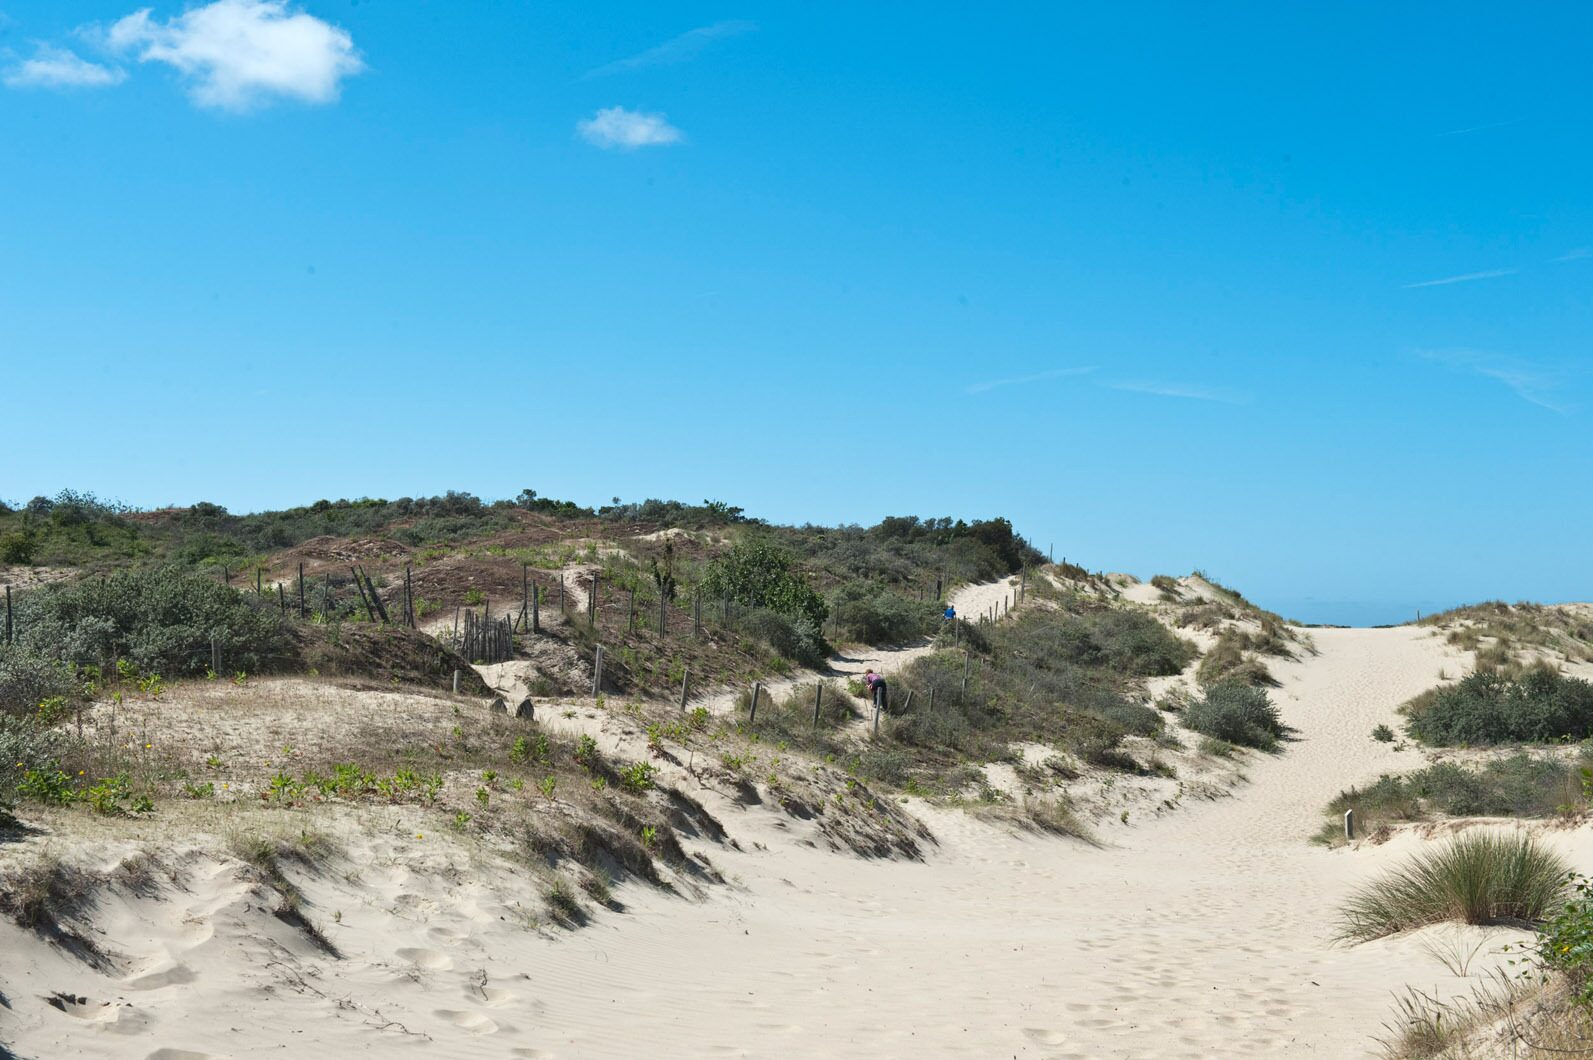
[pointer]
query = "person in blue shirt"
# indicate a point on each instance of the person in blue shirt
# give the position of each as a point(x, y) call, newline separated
point(950, 614)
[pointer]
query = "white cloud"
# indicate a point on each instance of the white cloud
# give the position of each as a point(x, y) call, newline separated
point(616, 127)
point(1183, 390)
point(679, 49)
point(53, 67)
point(1463, 278)
point(1527, 381)
point(237, 54)
point(1037, 377)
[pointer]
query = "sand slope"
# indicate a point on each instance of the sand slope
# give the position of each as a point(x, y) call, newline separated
point(1204, 933)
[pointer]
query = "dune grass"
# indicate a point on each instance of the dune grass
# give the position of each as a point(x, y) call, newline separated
point(1475, 878)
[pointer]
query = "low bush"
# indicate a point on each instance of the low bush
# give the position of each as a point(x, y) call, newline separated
point(26, 751)
point(162, 620)
point(1237, 713)
point(1566, 943)
point(1475, 878)
point(1230, 660)
point(1519, 786)
point(1490, 707)
point(28, 679)
point(873, 615)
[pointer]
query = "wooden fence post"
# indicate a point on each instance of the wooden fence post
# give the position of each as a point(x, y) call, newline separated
point(409, 597)
point(907, 704)
point(215, 656)
point(597, 672)
point(591, 602)
point(561, 592)
point(967, 661)
point(630, 611)
point(685, 683)
point(8, 614)
point(1349, 824)
point(456, 682)
point(282, 600)
point(818, 701)
point(757, 686)
point(536, 609)
point(931, 699)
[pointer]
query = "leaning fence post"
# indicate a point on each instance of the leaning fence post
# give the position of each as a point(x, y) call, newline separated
point(685, 683)
point(931, 699)
point(597, 672)
point(1349, 824)
point(757, 686)
point(591, 602)
point(818, 700)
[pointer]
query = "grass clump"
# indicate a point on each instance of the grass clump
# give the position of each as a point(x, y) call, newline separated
point(1475, 878)
point(1493, 707)
point(1236, 713)
point(1230, 660)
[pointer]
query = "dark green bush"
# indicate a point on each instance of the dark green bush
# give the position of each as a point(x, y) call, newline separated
point(161, 620)
point(874, 615)
point(28, 678)
point(758, 575)
point(1238, 713)
point(25, 748)
point(792, 637)
point(1490, 707)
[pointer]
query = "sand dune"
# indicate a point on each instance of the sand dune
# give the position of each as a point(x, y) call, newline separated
point(1203, 933)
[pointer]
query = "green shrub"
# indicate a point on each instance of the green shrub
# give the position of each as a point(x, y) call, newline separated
point(1518, 786)
point(28, 678)
point(758, 575)
point(1230, 660)
point(874, 615)
point(26, 751)
point(1566, 942)
point(1237, 713)
point(163, 620)
point(1490, 707)
point(1476, 878)
point(1383, 734)
point(789, 636)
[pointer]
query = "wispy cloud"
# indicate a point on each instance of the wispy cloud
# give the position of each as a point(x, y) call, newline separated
point(1181, 390)
point(1529, 382)
point(1466, 277)
point(1036, 377)
point(53, 67)
point(238, 54)
point(1481, 128)
point(620, 129)
point(681, 49)
point(1575, 254)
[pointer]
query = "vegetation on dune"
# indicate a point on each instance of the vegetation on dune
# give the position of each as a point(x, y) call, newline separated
point(1521, 785)
point(1538, 705)
point(1232, 660)
point(1056, 677)
point(1507, 628)
point(1236, 713)
point(1474, 878)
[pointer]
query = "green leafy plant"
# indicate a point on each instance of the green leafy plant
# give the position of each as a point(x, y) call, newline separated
point(1565, 943)
point(637, 777)
point(1383, 734)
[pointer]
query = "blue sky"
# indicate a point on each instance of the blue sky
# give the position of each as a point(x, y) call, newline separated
point(1296, 294)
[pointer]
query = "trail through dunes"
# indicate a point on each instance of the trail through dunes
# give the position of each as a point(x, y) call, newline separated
point(1201, 933)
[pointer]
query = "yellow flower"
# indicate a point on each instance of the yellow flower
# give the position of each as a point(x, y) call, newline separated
point(418, 835)
point(147, 746)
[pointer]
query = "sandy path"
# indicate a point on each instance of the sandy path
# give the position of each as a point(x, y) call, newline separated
point(1203, 933)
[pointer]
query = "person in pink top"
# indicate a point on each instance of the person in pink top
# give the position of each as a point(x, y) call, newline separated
point(877, 689)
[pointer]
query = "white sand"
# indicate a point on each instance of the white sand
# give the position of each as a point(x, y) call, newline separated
point(1205, 933)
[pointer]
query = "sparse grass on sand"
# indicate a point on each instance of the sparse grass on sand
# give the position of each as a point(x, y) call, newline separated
point(1476, 878)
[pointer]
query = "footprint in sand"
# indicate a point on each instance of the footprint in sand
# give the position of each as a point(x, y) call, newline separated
point(431, 960)
point(176, 975)
point(524, 1053)
point(1045, 1036)
point(179, 1054)
point(493, 997)
point(474, 1022)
